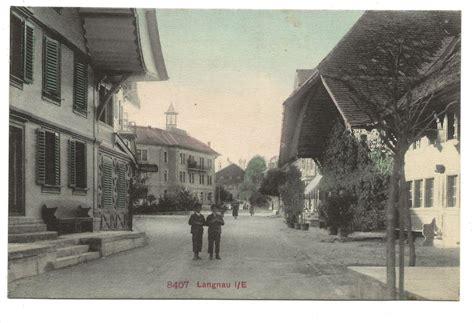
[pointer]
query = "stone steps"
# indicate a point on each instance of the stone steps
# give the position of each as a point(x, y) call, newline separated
point(32, 236)
point(73, 260)
point(26, 228)
point(15, 220)
point(71, 251)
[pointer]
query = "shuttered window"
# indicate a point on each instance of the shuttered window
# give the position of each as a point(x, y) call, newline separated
point(77, 164)
point(121, 186)
point(51, 70)
point(107, 187)
point(80, 86)
point(21, 50)
point(48, 159)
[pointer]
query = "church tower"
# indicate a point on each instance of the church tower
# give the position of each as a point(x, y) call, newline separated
point(171, 118)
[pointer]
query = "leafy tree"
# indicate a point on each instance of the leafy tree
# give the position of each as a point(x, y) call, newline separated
point(388, 81)
point(253, 176)
point(292, 194)
point(272, 180)
point(223, 195)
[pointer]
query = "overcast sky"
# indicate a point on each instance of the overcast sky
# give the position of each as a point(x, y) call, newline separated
point(230, 71)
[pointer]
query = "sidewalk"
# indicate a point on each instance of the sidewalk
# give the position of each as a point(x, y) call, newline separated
point(421, 283)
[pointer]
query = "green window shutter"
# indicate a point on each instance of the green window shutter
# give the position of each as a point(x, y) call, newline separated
point(40, 157)
point(121, 187)
point(16, 47)
point(107, 187)
point(80, 86)
point(57, 160)
point(72, 163)
point(28, 54)
point(51, 70)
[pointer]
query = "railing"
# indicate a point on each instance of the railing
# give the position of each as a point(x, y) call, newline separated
point(194, 166)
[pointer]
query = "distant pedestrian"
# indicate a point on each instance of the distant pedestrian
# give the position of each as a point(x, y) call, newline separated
point(235, 210)
point(252, 212)
point(197, 221)
point(214, 221)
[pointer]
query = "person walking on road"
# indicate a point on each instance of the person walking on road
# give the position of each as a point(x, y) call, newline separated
point(214, 221)
point(252, 212)
point(235, 210)
point(197, 222)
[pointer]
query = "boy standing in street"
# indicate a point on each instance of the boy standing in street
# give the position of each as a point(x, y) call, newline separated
point(197, 221)
point(214, 221)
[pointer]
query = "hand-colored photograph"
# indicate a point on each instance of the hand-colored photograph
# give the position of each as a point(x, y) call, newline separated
point(234, 154)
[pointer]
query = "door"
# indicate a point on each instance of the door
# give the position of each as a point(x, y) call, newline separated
point(16, 185)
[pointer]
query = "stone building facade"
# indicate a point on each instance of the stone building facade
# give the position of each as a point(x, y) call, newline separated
point(66, 107)
point(181, 161)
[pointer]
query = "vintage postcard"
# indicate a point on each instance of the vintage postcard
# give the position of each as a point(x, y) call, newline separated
point(234, 154)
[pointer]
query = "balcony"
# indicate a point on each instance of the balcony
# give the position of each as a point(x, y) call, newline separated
point(193, 166)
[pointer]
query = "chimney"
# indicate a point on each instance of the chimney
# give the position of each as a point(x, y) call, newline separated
point(209, 143)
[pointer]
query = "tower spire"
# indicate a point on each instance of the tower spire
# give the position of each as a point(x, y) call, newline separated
point(171, 117)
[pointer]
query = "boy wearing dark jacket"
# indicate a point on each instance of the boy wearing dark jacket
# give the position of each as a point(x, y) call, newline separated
point(197, 221)
point(214, 221)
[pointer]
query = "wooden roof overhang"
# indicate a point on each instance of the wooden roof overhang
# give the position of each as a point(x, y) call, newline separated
point(308, 119)
point(123, 41)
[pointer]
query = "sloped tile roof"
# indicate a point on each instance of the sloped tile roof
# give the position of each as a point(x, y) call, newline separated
point(161, 137)
point(231, 174)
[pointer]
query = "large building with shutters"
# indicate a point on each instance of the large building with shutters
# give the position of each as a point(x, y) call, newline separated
point(181, 161)
point(72, 70)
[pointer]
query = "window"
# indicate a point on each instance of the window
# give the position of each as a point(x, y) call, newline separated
point(182, 177)
point(429, 183)
point(165, 156)
point(77, 164)
point(452, 126)
point(201, 197)
point(209, 197)
point(182, 158)
point(21, 50)
point(121, 186)
point(191, 178)
point(165, 175)
point(48, 167)
point(139, 154)
point(201, 162)
point(107, 183)
point(52, 70)
point(209, 180)
point(106, 114)
point(451, 191)
point(201, 179)
point(144, 156)
point(80, 93)
point(410, 193)
point(417, 193)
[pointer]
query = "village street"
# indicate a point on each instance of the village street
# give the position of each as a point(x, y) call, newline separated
point(274, 262)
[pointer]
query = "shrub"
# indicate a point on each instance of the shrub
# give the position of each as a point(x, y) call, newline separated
point(292, 194)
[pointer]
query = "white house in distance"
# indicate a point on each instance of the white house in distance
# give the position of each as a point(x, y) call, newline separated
point(180, 161)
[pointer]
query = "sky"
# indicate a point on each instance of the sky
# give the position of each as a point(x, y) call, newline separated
point(231, 70)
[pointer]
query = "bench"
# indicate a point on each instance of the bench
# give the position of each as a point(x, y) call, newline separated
point(67, 216)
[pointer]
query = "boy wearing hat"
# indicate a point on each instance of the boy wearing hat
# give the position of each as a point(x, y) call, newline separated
point(214, 221)
point(197, 221)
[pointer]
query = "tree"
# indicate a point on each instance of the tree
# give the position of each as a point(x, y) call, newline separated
point(389, 82)
point(272, 180)
point(292, 194)
point(223, 195)
point(253, 176)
